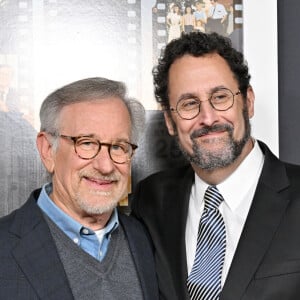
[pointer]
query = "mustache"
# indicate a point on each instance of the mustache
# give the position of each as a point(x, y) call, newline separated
point(208, 129)
point(98, 176)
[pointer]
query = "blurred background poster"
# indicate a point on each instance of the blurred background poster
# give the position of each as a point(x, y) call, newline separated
point(45, 44)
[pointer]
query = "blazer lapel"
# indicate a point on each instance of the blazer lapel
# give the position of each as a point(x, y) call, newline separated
point(268, 206)
point(142, 256)
point(175, 223)
point(36, 254)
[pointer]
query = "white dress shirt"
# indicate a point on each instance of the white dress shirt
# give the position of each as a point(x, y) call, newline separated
point(238, 191)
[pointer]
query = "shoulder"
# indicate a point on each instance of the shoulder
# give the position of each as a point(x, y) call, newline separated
point(169, 175)
point(280, 173)
point(158, 191)
point(129, 222)
point(293, 173)
point(158, 184)
point(165, 181)
point(135, 231)
point(272, 159)
point(23, 218)
point(18, 224)
point(6, 221)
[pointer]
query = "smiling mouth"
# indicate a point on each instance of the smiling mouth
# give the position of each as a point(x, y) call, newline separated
point(98, 183)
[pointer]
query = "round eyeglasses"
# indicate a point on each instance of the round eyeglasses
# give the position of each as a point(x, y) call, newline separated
point(88, 148)
point(220, 100)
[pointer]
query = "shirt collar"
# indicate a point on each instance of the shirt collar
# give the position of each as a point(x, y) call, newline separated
point(235, 188)
point(67, 224)
point(239, 184)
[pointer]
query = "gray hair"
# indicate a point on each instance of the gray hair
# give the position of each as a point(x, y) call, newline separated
point(86, 90)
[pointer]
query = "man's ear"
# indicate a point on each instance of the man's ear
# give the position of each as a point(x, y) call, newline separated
point(169, 123)
point(46, 151)
point(250, 101)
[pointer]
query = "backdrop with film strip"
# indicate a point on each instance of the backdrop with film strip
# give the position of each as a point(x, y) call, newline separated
point(45, 44)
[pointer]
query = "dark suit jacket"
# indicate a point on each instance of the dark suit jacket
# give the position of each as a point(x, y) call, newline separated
point(30, 267)
point(266, 264)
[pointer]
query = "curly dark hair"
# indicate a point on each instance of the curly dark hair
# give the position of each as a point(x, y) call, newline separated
point(198, 44)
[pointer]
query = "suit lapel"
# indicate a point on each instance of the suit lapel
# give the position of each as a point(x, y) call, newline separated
point(142, 256)
point(267, 209)
point(36, 254)
point(175, 223)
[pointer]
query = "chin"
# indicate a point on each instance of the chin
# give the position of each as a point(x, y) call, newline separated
point(100, 209)
point(99, 205)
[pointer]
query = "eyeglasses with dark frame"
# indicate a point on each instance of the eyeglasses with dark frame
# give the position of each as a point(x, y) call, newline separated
point(188, 108)
point(87, 147)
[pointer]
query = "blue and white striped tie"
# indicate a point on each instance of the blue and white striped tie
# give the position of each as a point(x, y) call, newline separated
point(204, 281)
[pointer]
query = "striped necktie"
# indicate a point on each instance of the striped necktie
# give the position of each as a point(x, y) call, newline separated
point(204, 281)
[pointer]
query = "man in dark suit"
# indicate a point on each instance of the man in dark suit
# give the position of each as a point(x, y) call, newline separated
point(68, 241)
point(204, 88)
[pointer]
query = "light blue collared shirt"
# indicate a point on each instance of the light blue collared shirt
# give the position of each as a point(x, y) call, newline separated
point(87, 239)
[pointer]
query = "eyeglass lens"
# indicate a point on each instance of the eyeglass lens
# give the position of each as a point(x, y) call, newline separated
point(88, 148)
point(220, 100)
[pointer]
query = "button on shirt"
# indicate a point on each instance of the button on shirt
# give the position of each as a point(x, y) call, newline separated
point(93, 242)
point(238, 191)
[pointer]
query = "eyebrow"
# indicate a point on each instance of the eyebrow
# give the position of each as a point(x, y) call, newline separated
point(93, 136)
point(187, 96)
point(86, 135)
point(193, 95)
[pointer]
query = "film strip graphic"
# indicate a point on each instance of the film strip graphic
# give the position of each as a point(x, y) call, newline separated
point(159, 21)
point(134, 44)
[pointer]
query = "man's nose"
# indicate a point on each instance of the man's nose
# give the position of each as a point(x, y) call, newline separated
point(207, 115)
point(102, 162)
